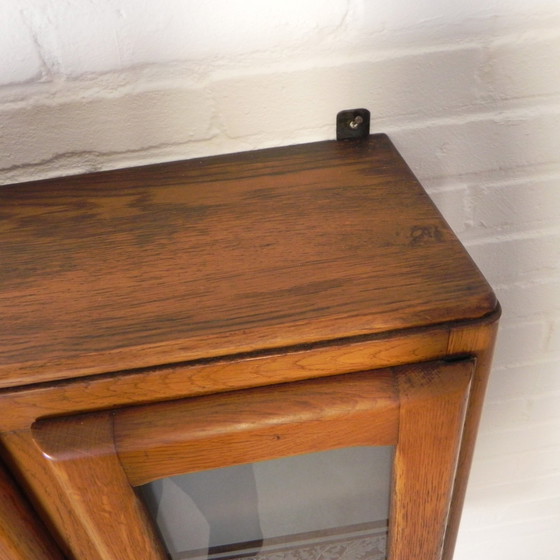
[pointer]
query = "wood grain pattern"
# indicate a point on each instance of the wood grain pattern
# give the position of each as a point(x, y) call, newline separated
point(22, 535)
point(78, 482)
point(226, 281)
point(217, 256)
point(83, 468)
point(19, 408)
point(433, 403)
point(241, 427)
point(480, 342)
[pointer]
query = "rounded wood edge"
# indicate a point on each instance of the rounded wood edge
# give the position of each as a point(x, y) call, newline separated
point(200, 433)
point(19, 408)
point(173, 355)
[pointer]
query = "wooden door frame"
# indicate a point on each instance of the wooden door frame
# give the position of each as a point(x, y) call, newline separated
point(83, 469)
point(22, 534)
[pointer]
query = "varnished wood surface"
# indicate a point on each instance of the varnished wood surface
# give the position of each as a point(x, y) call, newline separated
point(480, 342)
point(22, 534)
point(78, 483)
point(433, 402)
point(256, 425)
point(82, 469)
point(217, 256)
point(214, 275)
point(19, 408)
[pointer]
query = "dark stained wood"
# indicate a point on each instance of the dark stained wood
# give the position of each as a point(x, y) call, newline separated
point(223, 255)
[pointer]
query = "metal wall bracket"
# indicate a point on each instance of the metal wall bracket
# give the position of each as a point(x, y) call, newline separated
point(352, 124)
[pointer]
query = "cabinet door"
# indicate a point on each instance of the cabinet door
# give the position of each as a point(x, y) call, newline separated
point(85, 470)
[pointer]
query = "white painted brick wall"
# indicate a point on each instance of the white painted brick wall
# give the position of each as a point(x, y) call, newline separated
point(20, 60)
point(469, 92)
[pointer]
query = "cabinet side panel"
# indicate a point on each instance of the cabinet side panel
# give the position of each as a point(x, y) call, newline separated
point(478, 341)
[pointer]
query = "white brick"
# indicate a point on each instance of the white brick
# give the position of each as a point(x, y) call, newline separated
point(104, 35)
point(505, 261)
point(511, 382)
point(545, 408)
point(548, 378)
point(506, 414)
point(480, 143)
point(519, 342)
point(525, 67)
point(436, 21)
point(553, 339)
point(530, 538)
point(513, 468)
point(453, 204)
point(509, 207)
point(404, 87)
point(19, 58)
point(528, 409)
point(539, 298)
point(529, 438)
point(107, 125)
point(513, 503)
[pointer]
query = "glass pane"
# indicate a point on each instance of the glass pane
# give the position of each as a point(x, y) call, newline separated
point(333, 504)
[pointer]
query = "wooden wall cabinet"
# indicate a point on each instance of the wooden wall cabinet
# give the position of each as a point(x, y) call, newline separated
point(184, 316)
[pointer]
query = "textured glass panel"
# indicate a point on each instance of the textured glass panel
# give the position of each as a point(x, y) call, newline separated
point(332, 504)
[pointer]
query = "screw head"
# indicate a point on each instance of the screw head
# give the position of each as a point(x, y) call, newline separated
point(356, 122)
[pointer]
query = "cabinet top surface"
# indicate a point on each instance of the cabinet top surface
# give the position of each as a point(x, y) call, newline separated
point(223, 255)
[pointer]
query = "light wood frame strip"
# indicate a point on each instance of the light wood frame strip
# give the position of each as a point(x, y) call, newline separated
point(433, 403)
point(22, 535)
point(167, 439)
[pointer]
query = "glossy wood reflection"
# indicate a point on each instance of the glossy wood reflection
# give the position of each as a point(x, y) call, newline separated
point(223, 255)
point(256, 425)
point(97, 513)
point(203, 313)
point(97, 459)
